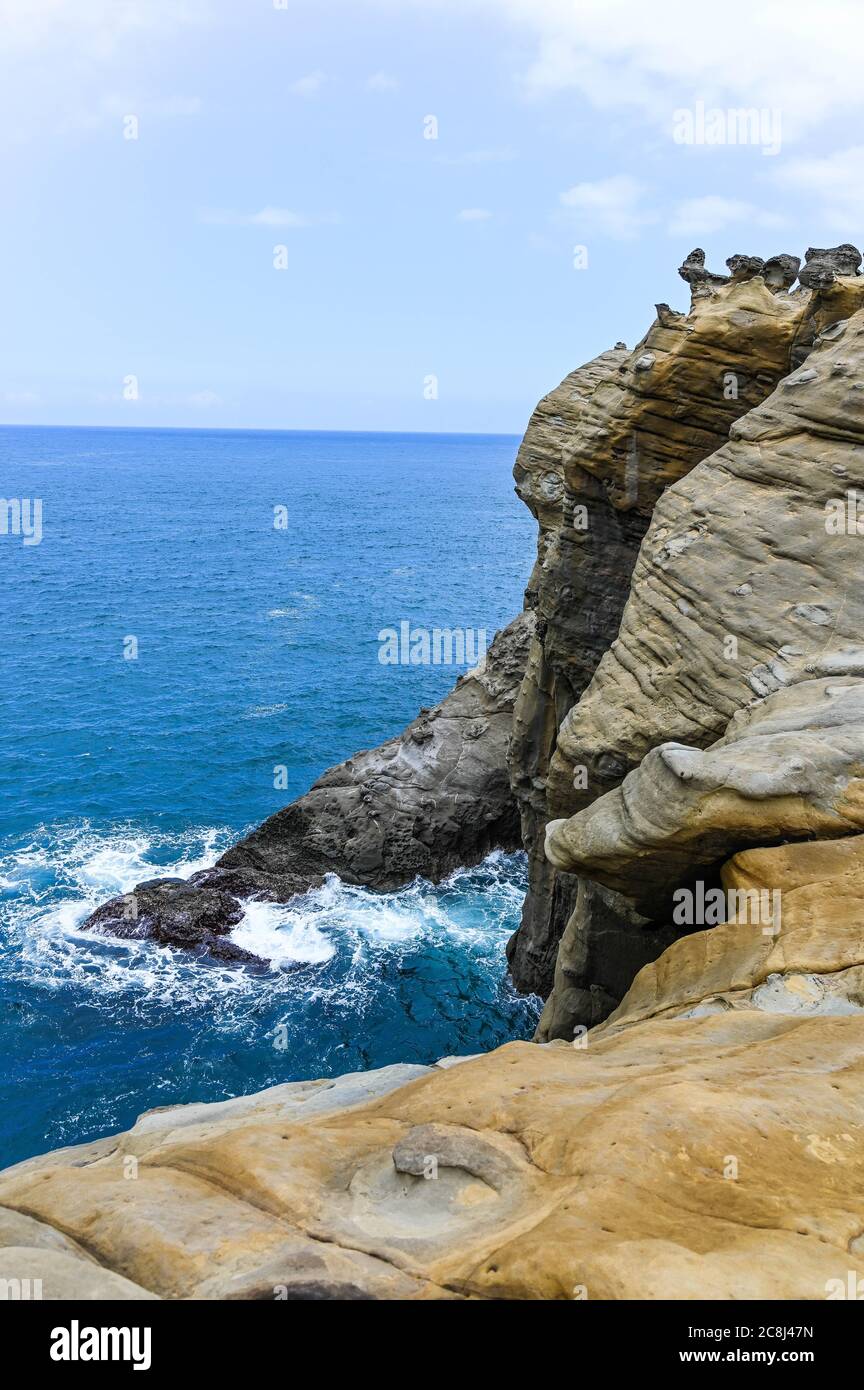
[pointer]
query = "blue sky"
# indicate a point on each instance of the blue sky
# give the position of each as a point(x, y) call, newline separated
point(303, 127)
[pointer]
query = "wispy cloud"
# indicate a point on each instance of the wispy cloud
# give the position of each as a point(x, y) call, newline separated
point(618, 54)
point(702, 216)
point(613, 206)
point(382, 82)
point(474, 215)
point(310, 84)
point(20, 397)
point(266, 217)
point(97, 27)
point(69, 67)
point(833, 186)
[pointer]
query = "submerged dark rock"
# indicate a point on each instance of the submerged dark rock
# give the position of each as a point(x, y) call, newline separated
point(175, 912)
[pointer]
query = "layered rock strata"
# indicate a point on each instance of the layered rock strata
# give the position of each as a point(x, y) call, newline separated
point(749, 578)
point(598, 454)
point(733, 691)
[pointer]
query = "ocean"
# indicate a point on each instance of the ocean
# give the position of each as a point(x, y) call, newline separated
point(191, 642)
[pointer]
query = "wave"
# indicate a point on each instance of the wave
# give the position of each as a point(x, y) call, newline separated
point(50, 884)
point(97, 1030)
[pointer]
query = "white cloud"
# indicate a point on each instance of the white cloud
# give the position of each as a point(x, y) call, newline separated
point(474, 215)
point(310, 84)
point(382, 82)
point(612, 206)
point(776, 54)
point(58, 56)
point(96, 27)
point(702, 216)
point(267, 217)
point(833, 186)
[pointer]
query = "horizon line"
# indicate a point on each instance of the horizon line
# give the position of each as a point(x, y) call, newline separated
point(270, 429)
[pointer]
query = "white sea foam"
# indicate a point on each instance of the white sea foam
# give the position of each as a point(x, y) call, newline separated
point(66, 871)
point(280, 934)
point(264, 711)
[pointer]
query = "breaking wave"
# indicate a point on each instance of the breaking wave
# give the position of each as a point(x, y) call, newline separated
point(358, 980)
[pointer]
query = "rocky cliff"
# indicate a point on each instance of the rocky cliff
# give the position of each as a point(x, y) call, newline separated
point(598, 455)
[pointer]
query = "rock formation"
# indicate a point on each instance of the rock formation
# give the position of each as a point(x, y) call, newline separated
point(705, 1143)
point(682, 435)
point(598, 454)
point(749, 574)
point(688, 731)
point(433, 799)
point(790, 767)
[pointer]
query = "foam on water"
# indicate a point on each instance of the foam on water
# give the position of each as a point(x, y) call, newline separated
point(357, 980)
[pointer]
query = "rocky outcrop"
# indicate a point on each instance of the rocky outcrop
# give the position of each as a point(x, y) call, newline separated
point(598, 454)
point(605, 944)
point(694, 1157)
point(705, 1142)
point(704, 1139)
point(790, 767)
point(176, 912)
point(749, 577)
point(740, 637)
point(793, 944)
point(434, 799)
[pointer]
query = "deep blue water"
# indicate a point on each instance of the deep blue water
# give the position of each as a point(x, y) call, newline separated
point(257, 648)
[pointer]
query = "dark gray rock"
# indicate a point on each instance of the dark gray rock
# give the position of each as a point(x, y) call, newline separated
point(821, 267)
point(174, 912)
point(434, 799)
point(605, 944)
point(781, 272)
point(745, 267)
point(698, 278)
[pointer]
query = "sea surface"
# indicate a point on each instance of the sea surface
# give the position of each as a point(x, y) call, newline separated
point(175, 667)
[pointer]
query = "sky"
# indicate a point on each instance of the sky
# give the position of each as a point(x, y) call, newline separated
point(391, 214)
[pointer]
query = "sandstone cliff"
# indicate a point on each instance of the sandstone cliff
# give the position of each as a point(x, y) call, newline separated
point(598, 455)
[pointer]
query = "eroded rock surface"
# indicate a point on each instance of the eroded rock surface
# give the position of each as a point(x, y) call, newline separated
point(705, 1141)
point(790, 767)
point(598, 453)
point(605, 944)
point(741, 585)
point(536, 1172)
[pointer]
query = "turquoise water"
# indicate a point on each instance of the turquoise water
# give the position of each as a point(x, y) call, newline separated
point(257, 649)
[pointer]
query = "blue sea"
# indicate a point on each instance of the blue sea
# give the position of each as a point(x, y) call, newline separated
point(257, 649)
